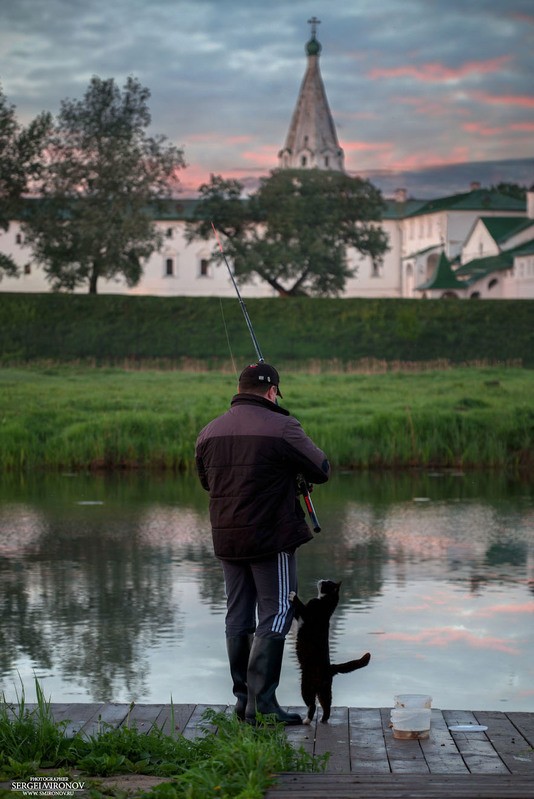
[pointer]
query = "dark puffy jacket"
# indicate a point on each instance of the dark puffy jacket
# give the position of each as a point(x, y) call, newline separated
point(248, 460)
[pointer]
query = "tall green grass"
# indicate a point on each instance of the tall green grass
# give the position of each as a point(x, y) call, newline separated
point(68, 417)
point(239, 761)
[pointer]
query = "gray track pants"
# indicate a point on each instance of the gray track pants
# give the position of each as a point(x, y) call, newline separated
point(260, 587)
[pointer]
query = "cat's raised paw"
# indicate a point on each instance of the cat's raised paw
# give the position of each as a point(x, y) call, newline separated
point(292, 595)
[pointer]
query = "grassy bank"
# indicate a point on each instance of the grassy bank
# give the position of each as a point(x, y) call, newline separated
point(239, 761)
point(301, 331)
point(67, 417)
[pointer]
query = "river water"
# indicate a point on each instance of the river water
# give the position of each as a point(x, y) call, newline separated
point(109, 590)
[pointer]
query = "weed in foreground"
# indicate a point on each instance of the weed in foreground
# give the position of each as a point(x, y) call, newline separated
point(238, 762)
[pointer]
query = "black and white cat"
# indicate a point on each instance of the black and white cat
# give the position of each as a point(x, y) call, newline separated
point(313, 649)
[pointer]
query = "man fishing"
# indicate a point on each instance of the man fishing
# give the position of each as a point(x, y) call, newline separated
point(251, 460)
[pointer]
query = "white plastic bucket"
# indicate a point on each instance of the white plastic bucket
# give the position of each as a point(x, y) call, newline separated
point(410, 718)
point(413, 700)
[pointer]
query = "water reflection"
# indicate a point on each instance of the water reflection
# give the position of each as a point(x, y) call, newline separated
point(109, 589)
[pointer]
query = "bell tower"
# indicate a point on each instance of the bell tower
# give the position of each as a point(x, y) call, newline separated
point(312, 139)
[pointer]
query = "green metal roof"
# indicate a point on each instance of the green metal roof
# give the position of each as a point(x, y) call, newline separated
point(479, 268)
point(502, 228)
point(443, 278)
point(478, 200)
point(396, 210)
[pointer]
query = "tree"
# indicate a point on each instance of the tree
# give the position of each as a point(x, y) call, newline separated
point(20, 164)
point(294, 231)
point(104, 178)
point(511, 190)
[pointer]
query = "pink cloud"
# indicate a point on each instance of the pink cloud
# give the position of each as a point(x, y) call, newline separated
point(364, 146)
point(445, 636)
point(440, 73)
point(263, 157)
point(431, 109)
point(525, 607)
point(483, 130)
point(237, 139)
point(524, 100)
point(428, 158)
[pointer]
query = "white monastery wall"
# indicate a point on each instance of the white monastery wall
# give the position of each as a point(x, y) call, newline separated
point(479, 244)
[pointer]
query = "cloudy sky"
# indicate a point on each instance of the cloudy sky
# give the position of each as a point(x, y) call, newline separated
point(411, 83)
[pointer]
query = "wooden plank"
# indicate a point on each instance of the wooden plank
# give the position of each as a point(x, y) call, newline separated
point(439, 749)
point(111, 715)
point(302, 735)
point(524, 722)
point(401, 786)
point(142, 717)
point(368, 753)
point(406, 755)
point(333, 737)
point(79, 714)
point(475, 747)
point(513, 749)
point(196, 726)
point(173, 719)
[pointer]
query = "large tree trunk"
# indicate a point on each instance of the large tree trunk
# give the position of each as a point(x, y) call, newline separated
point(93, 280)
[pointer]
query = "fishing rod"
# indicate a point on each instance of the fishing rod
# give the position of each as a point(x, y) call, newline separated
point(303, 486)
point(261, 359)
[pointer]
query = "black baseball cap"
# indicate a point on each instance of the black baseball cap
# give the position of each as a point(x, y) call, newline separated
point(259, 374)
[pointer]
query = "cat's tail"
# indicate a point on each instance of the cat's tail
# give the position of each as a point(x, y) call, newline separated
point(350, 665)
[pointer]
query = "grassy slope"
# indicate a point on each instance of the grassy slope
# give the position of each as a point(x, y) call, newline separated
point(78, 417)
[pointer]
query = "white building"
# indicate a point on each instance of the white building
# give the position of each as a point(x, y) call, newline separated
point(487, 239)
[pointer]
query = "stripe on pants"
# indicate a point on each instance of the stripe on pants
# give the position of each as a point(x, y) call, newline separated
point(283, 593)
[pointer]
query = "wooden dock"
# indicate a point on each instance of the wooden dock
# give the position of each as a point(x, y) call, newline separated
point(365, 759)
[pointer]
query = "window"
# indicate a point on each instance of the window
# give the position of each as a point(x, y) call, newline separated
point(27, 269)
point(326, 162)
point(375, 269)
point(169, 267)
point(18, 238)
point(492, 283)
point(303, 160)
point(204, 270)
point(169, 233)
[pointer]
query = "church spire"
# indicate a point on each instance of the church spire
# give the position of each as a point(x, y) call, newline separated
point(312, 139)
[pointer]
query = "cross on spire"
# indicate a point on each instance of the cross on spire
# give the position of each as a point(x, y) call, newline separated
point(314, 22)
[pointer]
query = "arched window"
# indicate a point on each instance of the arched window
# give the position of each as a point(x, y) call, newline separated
point(18, 238)
point(204, 270)
point(303, 160)
point(326, 161)
point(492, 283)
point(169, 267)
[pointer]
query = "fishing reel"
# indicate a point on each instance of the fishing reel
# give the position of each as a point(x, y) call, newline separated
point(304, 489)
